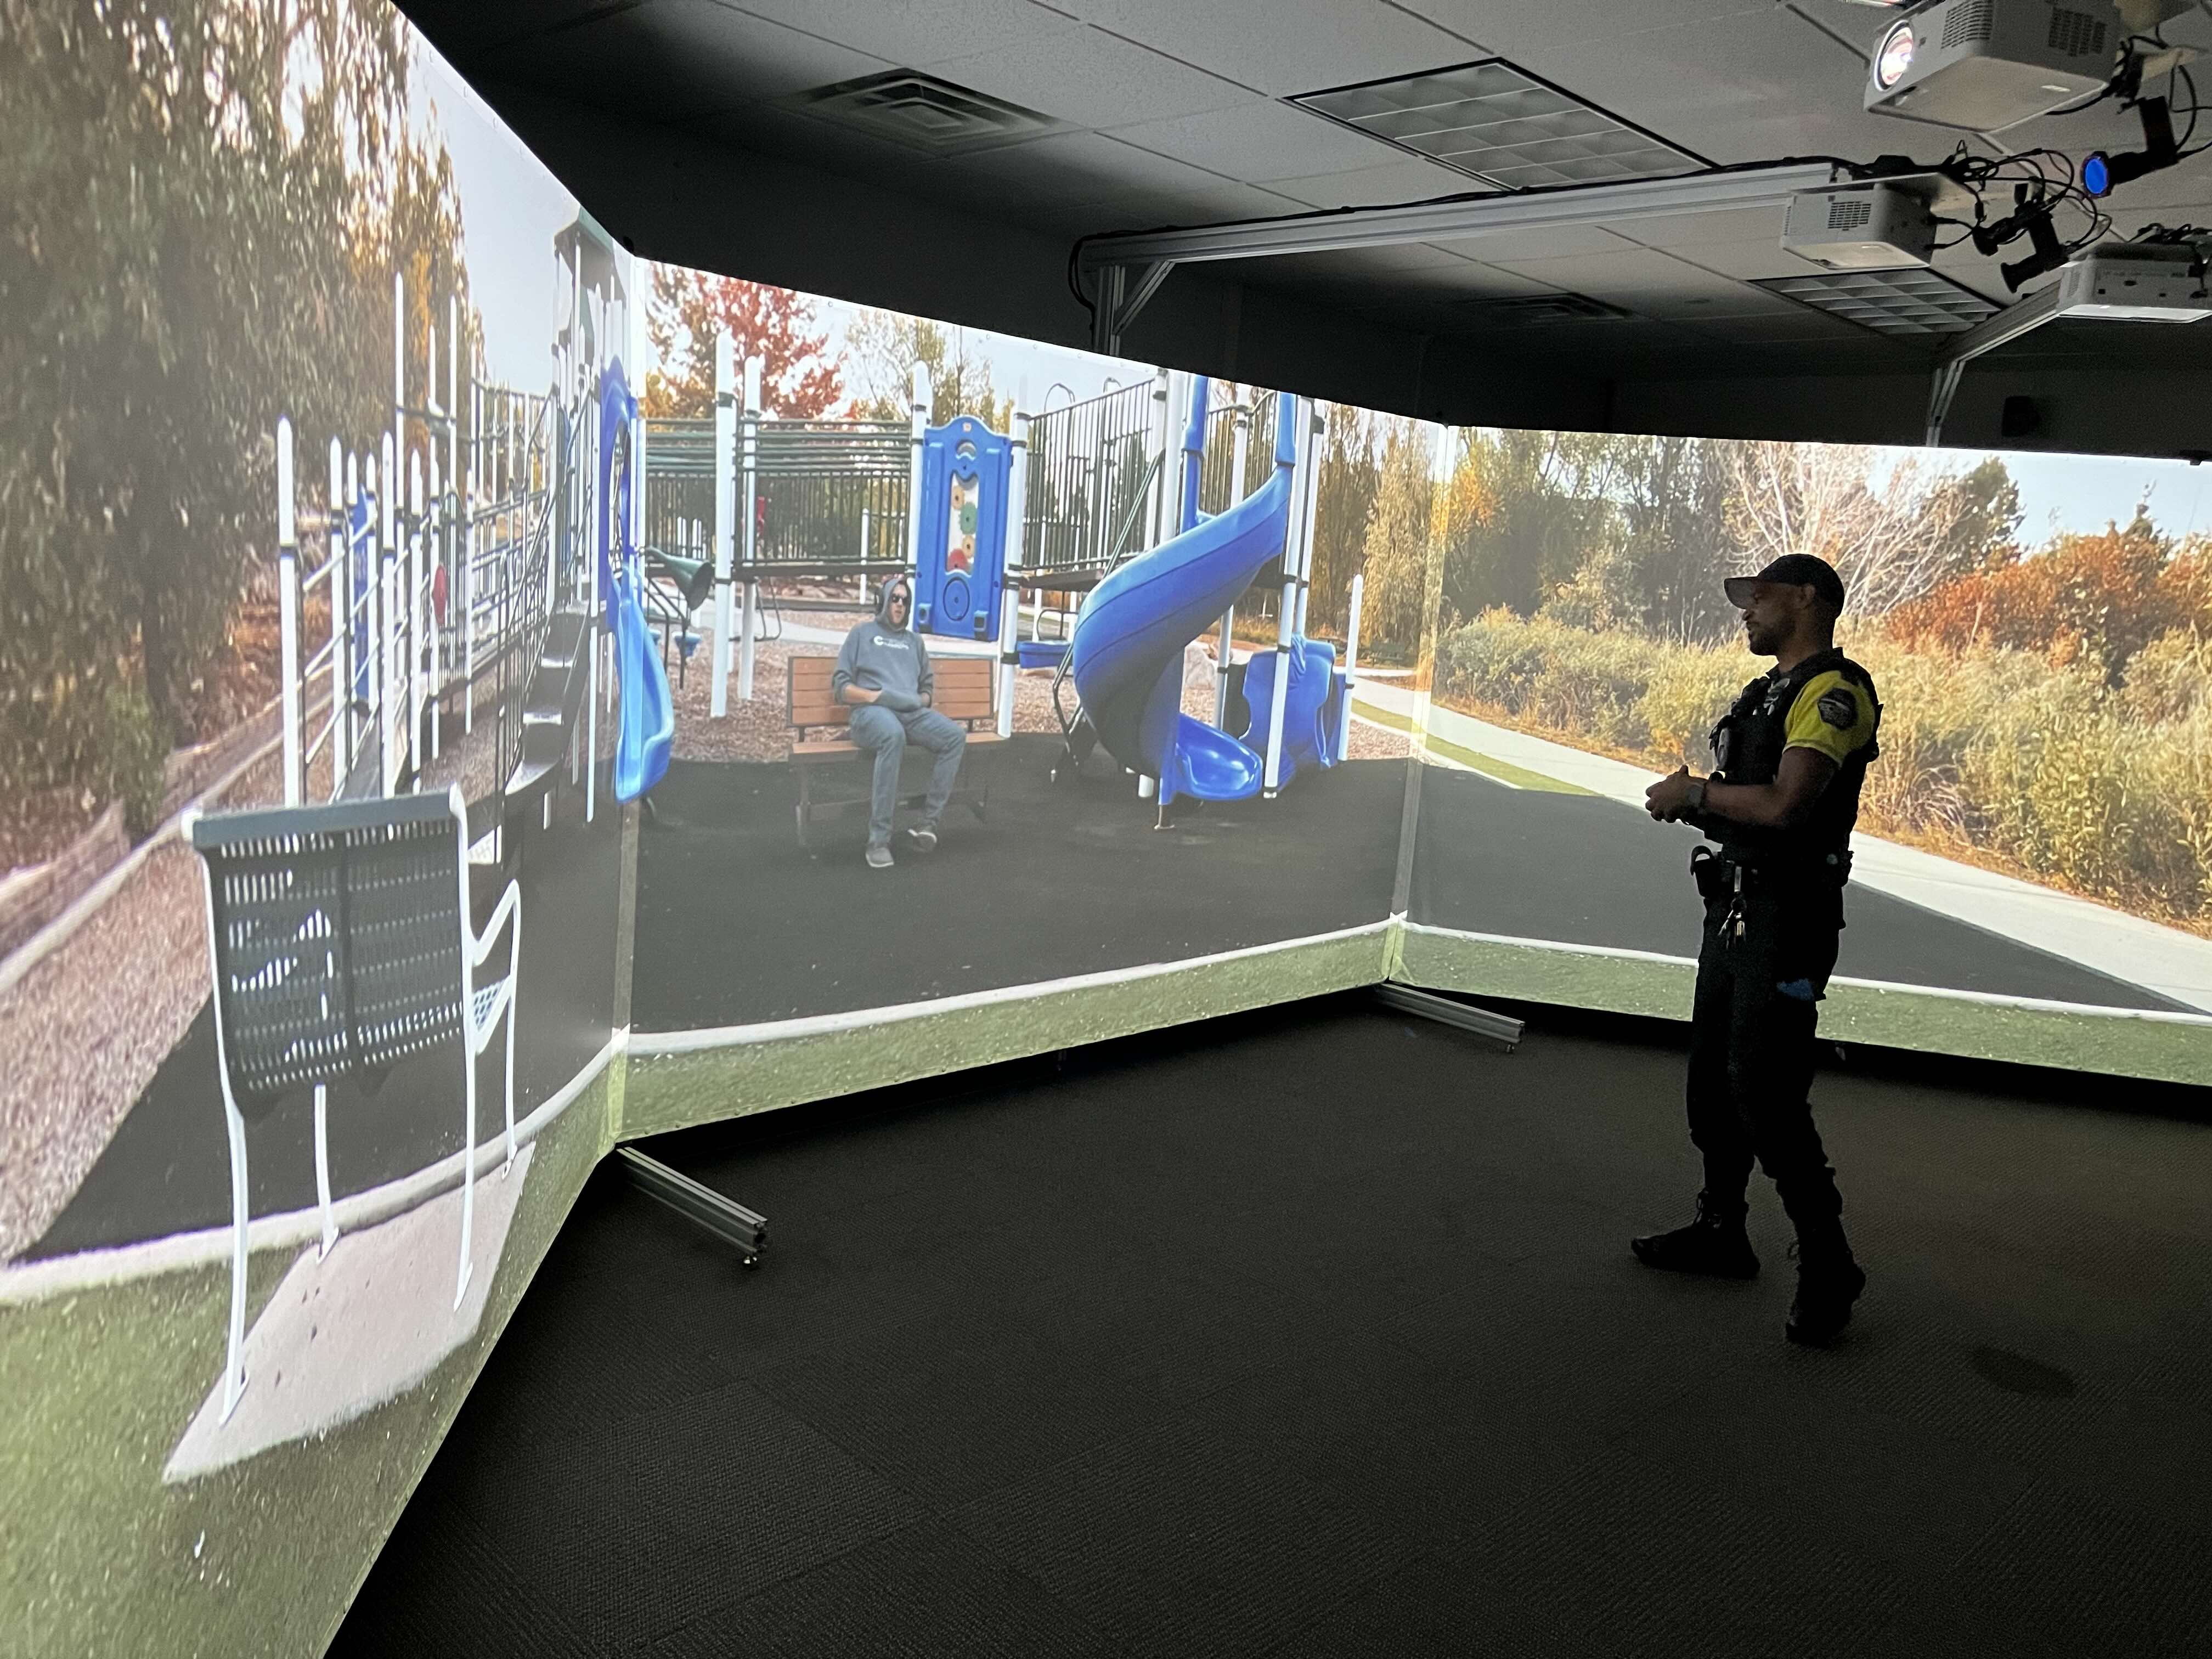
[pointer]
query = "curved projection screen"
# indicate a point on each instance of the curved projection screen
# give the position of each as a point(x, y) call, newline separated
point(354, 480)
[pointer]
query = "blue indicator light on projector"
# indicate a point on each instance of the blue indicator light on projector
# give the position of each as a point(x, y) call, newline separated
point(2096, 173)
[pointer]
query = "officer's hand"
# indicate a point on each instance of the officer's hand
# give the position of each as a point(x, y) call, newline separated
point(1666, 798)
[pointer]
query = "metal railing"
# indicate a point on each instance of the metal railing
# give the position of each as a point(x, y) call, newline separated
point(1090, 467)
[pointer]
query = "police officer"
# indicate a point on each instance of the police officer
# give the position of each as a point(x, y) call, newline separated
point(1791, 755)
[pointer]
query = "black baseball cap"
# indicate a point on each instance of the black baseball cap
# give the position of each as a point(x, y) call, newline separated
point(1795, 569)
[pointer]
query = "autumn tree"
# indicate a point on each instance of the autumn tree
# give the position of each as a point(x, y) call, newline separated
point(1653, 565)
point(191, 186)
point(1344, 501)
point(885, 345)
point(1396, 553)
point(686, 310)
point(1890, 544)
point(1519, 513)
point(2093, 599)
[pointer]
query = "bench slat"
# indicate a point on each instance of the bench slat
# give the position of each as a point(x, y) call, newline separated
point(966, 690)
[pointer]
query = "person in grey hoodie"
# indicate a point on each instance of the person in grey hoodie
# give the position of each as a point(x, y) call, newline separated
point(883, 672)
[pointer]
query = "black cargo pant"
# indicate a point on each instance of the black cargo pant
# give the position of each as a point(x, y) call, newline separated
point(1751, 1047)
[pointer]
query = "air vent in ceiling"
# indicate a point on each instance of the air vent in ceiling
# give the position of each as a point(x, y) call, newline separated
point(1540, 310)
point(1907, 304)
point(1502, 124)
point(923, 112)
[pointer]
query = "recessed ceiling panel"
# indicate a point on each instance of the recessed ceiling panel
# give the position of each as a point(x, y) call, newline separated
point(1904, 304)
point(1502, 125)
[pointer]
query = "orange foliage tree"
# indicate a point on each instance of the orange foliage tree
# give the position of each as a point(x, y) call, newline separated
point(2102, 597)
point(685, 311)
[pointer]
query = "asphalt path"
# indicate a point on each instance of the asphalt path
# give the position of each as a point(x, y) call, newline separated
point(1585, 870)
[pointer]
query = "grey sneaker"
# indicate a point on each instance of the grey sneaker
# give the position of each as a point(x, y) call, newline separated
point(879, 858)
point(923, 839)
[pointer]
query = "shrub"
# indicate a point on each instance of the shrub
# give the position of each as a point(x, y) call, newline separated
point(135, 748)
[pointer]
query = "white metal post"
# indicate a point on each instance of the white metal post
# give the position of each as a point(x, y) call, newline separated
point(919, 417)
point(594, 510)
point(726, 517)
point(1158, 443)
point(1350, 663)
point(340, 571)
point(1239, 451)
point(477, 459)
point(1009, 560)
point(866, 545)
point(387, 597)
point(1286, 611)
point(433, 633)
point(751, 529)
point(451, 516)
point(418, 600)
point(288, 611)
point(1309, 520)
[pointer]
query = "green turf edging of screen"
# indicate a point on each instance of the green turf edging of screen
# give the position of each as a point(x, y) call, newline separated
point(665, 1091)
point(264, 1556)
point(1902, 1017)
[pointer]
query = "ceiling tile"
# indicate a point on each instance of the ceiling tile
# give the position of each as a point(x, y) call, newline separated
point(784, 133)
point(1690, 230)
point(697, 56)
point(1746, 260)
point(1508, 26)
point(1510, 247)
point(1084, 166)
point(1755, 85)
point(1259, 141)
point(1283, 46)
point(1090, 79)
point(1407, 180)
point(914, 34)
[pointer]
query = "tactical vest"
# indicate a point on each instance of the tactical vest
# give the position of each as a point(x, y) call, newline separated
point(1747, 747)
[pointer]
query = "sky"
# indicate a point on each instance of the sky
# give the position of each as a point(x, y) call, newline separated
point(512, 208)
point(2084, 493)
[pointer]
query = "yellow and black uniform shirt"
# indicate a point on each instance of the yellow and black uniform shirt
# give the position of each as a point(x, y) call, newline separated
point(1831, 715)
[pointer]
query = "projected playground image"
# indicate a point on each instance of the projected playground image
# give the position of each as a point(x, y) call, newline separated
point(309, 810)
point(1139, 627)
point(2030, 876)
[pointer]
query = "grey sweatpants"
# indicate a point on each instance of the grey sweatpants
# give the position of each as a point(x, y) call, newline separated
point(886, 734)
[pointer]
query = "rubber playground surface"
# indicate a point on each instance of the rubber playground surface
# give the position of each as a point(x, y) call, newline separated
point(167, 1169)
point(736, 924)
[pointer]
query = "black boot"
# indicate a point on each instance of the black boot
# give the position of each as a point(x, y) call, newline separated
point(1828, 1282)
point(1714, 1243)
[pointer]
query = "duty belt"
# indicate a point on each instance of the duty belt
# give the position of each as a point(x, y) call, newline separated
point(1720, 872)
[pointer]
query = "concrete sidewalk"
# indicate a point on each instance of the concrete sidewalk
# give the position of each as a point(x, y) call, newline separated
point(2164, 960)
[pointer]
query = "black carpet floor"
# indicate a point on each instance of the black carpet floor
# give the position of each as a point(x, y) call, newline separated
point(1315, 1333)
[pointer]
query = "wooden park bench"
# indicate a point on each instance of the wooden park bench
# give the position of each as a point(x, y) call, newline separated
point(965, 692)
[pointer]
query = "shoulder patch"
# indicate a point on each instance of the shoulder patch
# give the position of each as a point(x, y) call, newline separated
point(1839, 709)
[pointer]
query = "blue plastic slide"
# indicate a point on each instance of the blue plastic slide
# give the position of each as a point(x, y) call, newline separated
point(647, 728)
point(1312, 710)
point(1129, 640)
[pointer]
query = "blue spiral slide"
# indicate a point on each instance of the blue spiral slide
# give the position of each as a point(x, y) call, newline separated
point(1128, 658)
point(648, 715)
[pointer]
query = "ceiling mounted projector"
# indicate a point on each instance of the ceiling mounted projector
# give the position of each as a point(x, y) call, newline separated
point(2134, 283)
point(1986, 64)
point(1874, 227)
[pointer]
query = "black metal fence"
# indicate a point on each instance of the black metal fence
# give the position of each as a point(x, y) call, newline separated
point(1088, 476)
